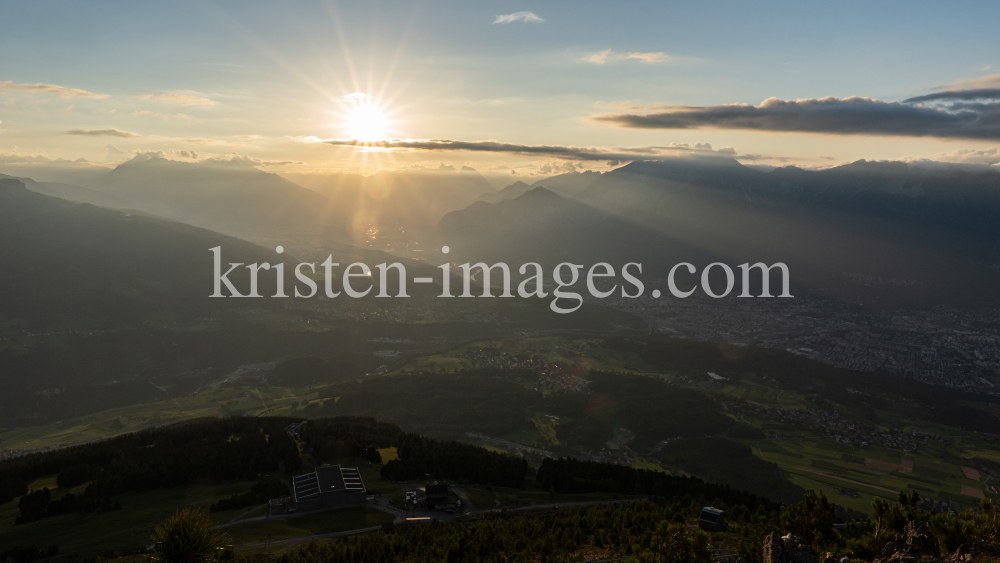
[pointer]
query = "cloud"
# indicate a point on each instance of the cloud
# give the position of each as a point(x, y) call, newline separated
point(552, 168)
point(147, 155)
point(526, 17)
point(834, 116)
point(989, 81)
point(21, 159)
point(957, 95)
point(247, 161)
point(554, 151)
point(117, 155)
point(14, 158)
point(50, 89)
point(103, 133)
point(44, 169)
point(178, 99)
point(606, 55)
point(163, 116)
point(969, 156)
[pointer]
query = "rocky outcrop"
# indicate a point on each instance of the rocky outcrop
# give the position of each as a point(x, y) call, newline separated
point(914, 543)
point(787, 549)
point(969, 552)
point(917, 538)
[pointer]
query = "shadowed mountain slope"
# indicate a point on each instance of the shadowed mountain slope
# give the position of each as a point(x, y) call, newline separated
point(71, 262)
point(231, 198)
point(889, 233)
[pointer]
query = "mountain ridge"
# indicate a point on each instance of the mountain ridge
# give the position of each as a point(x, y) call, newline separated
point(935, 230)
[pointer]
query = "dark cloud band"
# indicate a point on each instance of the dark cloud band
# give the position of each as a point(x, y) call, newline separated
point(103, 133)
point(963, 95)
point(848, 116)
point(553, 151)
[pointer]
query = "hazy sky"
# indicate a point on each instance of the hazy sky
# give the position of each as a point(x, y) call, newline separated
point(268, 80)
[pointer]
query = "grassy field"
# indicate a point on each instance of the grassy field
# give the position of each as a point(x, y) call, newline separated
point(812, 461)
point(130, 528)
point(546, 425)
point(553, 349)
point(481, 497)
point(219, 401)
point(868, 471)
point(388, 454)
point(127, 529)
point(433, 364)
point(757, 393)
point(273, 529)
point(648, 463)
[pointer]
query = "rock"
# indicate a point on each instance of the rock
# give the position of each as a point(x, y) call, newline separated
point(968, 552)
point(787, 549)
point(888, 550)
point(917, 539)
point(915, 542)
point(845, 559)
point(804, 555)
point(774, 551)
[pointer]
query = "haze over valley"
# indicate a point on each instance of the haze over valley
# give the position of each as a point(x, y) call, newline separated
point(457, 282)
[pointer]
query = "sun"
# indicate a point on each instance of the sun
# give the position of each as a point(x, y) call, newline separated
point(364, 119)
point(367, 123)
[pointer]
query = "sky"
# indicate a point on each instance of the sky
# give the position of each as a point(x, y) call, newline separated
point(509, 88)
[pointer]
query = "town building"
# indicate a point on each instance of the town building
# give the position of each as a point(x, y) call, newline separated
point(433, 496)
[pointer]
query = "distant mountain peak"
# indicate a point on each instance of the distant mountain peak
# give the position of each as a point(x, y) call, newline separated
point(538, 193)
point(517, 188)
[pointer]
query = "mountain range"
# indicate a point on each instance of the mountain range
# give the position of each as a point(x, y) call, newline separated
point(885, 231)
point(906, 232)
point(566, 185)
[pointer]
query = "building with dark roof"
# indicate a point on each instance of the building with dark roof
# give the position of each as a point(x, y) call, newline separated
point(328, 486)
point(437, 490)
point(433, 496)
point(712, 518)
